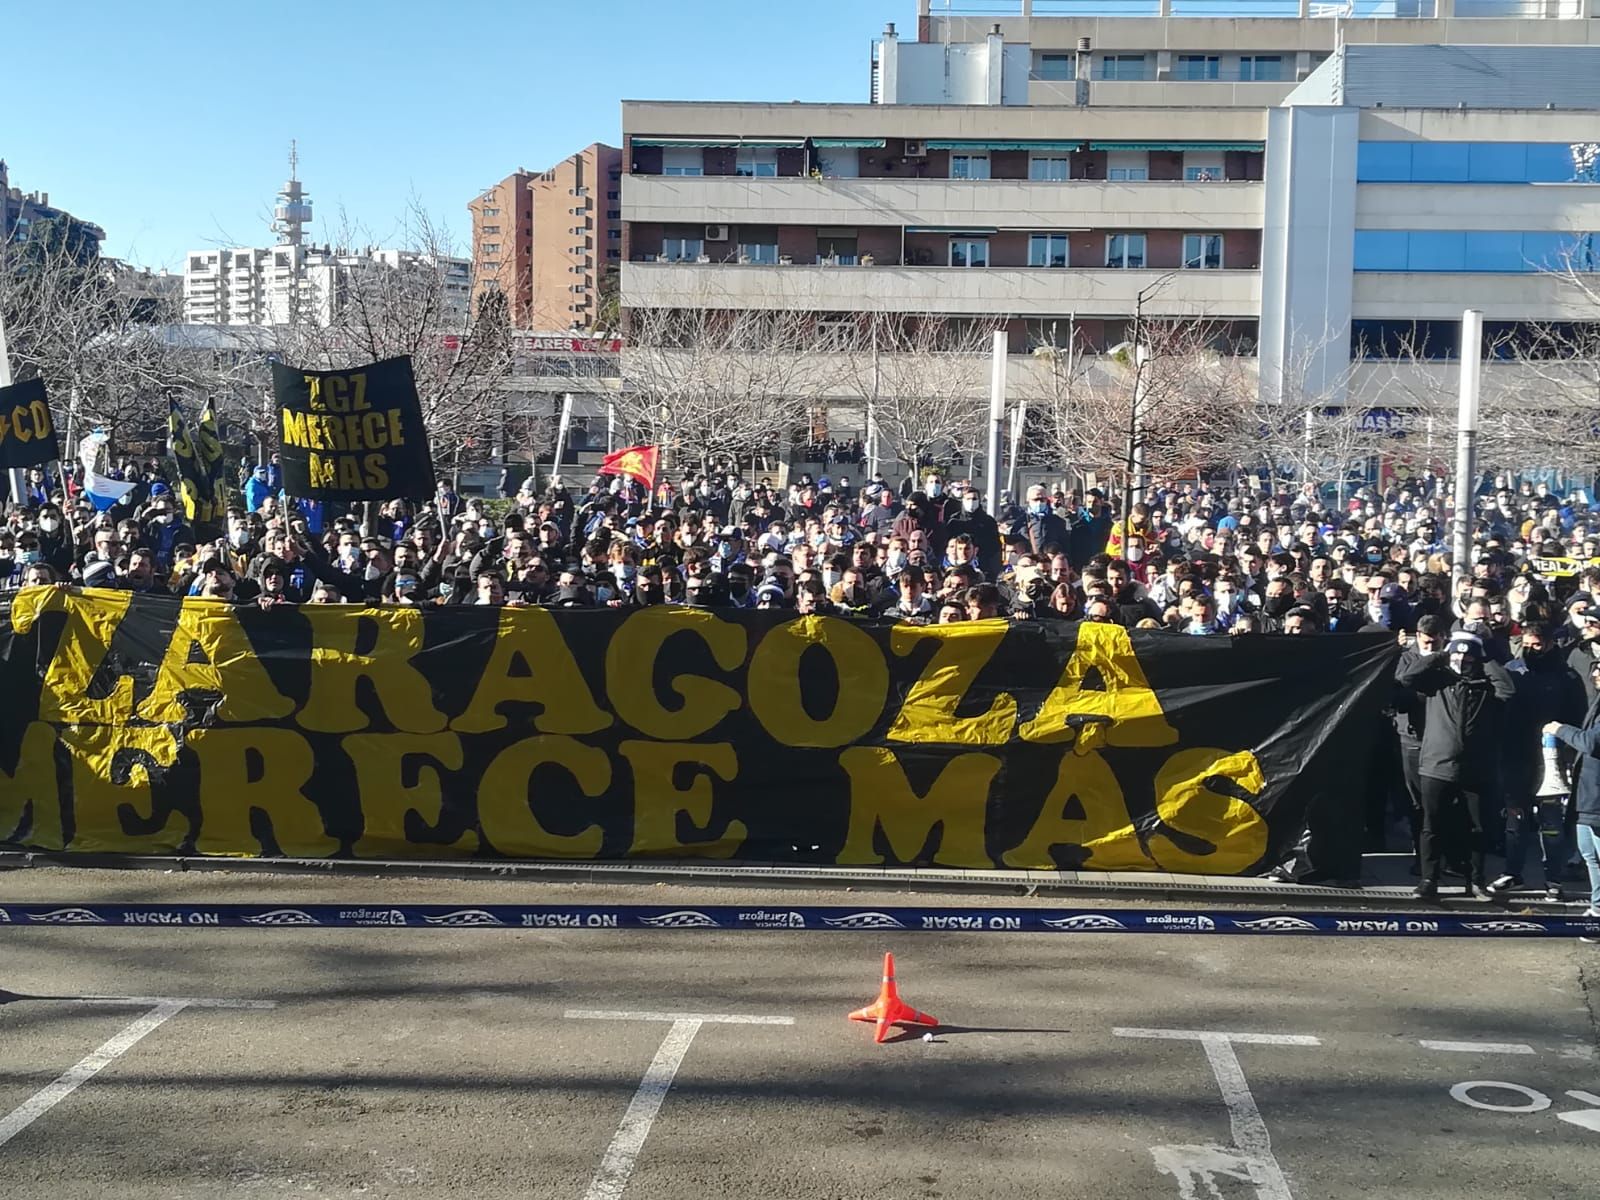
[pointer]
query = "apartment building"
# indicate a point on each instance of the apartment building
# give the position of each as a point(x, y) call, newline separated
point(1062, 165)
point(19, 210)
point(502, 244)
point(552, 241)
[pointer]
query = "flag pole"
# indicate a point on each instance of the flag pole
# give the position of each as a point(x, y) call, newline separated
point(19, 477)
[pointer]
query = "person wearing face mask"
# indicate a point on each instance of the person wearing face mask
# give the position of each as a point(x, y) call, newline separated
point(1276, 605)
point(1547, 690)
point(55, 543)
point(981, 528)
point(1460, 762)
point(1040, 525)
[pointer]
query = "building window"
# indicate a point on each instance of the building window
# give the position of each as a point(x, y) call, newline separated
point(613, 195)
point(1261, 68)
point(969, 166)
point(1050, 168)
point(613, 235)
point(613, 253)
point(1198, 66)
point(969, 252)
point(757, 163)
point(680, 160)
point(491, 248)
point(840, 249)
point(1047, 250)
point(1055, 67)
point(1122, 66)
point(1125, 251)
point(489, 229)
point(1202, 251)
point(764, 252)
point(1202, 168)
point(682, 249)
point(613, 214)
point(1127, 166)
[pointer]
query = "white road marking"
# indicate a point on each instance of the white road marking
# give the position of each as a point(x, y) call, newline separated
point(1586, 1119)
point(1537, 1100)
point(1478, 1047)
point(603, 1014)
point(151, 1001)
point(1244, 1039)
point(43, 1101)
point(1252, 1145)
point(616, 1165)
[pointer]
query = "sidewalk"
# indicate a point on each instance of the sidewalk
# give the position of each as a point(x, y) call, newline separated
point(1386, 882)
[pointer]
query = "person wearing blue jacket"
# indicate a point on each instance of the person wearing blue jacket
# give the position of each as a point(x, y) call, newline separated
point(1586, 741)
point(256, 489)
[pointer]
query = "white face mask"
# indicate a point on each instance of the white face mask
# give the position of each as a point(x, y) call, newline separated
point(239, 538)
point(970, 504)
point(897, 559)
point(829, 578)
point(49, 524)
point(373, 572)
point(1135, 553)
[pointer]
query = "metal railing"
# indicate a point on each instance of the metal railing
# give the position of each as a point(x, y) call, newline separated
point(1361, 10)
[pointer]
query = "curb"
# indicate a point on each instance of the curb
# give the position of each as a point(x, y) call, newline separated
point(1152, 885)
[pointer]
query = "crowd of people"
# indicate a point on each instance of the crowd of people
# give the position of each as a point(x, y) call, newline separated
point(1494, 666)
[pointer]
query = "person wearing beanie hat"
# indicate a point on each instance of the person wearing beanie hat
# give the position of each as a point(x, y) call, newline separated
point(1465, 696)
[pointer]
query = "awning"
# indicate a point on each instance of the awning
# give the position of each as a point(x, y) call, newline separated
point(992, 144)
point(983, 230)
point(1216, 146)
point(847, 143)
point(717, 143)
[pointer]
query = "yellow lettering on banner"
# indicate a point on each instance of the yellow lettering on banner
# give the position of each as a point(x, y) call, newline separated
point(775, 696)
point(530, 638)
point(358, 400)
point(397, 436)
point(658, 801)
point(1103, 829)
point(31, 795)
point(349, 475)
point(294, 428)
point(377, 471)
point(336, 668)
point(230, 667)
point(387, 800)
point(1190, 801)
point(631, 664)
point(1123, 712)
point(91, 623)
point(929, 711)
point(505, 814)
point(951, 813)
point(246, 771)
point(373, 427)
point(105, 810)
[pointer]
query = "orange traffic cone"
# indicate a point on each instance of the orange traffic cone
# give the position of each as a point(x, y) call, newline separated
point(888, 1009)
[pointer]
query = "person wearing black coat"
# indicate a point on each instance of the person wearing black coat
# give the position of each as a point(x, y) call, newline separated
point(1040, 525)
point(983, 530)
point(1585, 739)
point(1460, 758)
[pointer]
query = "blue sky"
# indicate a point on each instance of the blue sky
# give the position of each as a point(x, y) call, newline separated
point(170, 126)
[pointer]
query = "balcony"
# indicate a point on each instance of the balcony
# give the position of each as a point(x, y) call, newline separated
point(1442, 296)
point(954, 290)
point(1003, 203)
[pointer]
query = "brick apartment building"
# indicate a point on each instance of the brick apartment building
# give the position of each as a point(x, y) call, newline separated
point(552, 241)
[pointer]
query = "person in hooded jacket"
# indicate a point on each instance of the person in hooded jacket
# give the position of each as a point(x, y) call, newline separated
point(1466, 697)
point(1585, 740)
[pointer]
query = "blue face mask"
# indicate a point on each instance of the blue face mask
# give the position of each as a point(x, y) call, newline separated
point(1039, 508)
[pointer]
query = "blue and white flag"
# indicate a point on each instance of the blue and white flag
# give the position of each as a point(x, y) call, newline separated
point(102, 491)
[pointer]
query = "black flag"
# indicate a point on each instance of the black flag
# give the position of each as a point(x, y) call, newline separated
point(27, 431)
point(354, 434)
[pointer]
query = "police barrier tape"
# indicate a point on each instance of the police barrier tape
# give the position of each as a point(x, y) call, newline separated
point(832, 918)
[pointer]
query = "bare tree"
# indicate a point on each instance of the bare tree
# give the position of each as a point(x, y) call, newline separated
point(413, 302)
point(924, 382)
point(1168, 401)
point(713, 383)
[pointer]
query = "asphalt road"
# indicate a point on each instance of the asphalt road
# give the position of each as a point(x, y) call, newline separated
point(446, 1063)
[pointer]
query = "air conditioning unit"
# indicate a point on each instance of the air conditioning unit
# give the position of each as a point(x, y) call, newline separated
point(916, 150)
point(716, 233)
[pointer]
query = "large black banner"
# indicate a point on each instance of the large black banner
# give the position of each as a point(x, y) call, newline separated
point(27, 431)
point(134, 724)
point(352, 435)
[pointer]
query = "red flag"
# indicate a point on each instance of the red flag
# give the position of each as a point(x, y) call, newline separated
point(637, 462)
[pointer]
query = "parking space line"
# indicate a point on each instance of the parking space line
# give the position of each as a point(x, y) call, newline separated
point(43, 1101)
point(616, 1165)
point(1250, 1138)
point(605, 1014)
point(1478, 1047)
